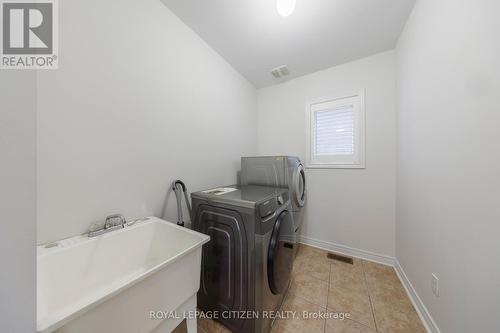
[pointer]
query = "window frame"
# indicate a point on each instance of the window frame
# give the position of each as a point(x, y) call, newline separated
point(358, 161)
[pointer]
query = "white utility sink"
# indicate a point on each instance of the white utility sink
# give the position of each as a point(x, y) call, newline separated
point(113, 282)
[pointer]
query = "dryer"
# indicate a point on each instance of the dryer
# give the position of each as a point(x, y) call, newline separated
point(278, 171)
point(247, 265)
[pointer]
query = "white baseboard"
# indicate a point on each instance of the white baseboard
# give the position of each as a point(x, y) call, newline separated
point(421, 309)
point(346, 250)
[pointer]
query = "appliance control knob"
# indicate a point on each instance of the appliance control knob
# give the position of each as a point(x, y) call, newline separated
point(280, 200)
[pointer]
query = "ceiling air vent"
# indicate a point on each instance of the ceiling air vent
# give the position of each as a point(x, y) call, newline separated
point(280, 71)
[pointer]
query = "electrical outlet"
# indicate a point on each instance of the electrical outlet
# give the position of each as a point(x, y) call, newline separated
point(435, 284)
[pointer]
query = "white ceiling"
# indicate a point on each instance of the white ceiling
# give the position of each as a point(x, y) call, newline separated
point(319, 34)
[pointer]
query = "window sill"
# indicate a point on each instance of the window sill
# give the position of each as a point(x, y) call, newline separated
point(335, 166)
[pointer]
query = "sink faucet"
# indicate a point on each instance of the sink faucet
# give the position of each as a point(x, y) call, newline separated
point(113, 222)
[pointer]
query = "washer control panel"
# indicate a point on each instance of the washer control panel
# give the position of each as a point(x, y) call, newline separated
point(280, 200)
point(268, 207)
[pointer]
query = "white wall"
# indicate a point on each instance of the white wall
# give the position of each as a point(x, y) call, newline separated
point(138, 101)
point(17, 201)
point(353, 208)
point(448, 208)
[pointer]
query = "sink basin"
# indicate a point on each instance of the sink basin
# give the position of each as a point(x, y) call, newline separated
point(114, 282)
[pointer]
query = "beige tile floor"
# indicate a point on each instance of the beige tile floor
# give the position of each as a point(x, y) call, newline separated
point(370, 293)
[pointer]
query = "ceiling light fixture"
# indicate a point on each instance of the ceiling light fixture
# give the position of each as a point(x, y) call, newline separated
point(285, 7)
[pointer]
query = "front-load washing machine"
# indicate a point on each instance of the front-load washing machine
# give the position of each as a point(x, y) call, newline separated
point(247, 265)
point(278, 171)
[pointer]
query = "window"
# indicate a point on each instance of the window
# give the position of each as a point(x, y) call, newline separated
point(335, 133)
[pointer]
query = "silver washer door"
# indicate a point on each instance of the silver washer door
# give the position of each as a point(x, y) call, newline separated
point(280, 253)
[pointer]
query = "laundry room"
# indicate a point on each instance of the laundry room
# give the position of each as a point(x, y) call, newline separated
point(254, 166)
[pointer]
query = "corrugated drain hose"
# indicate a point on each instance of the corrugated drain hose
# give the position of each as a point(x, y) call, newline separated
point(177, 187)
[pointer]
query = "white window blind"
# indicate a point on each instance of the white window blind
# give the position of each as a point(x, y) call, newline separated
point(335, 133)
